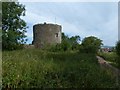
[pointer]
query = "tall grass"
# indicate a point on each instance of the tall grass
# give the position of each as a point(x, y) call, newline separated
point(111, 57)
point(32, 68)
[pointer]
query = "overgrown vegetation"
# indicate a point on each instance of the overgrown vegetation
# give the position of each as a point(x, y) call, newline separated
point(35, 69)
point(118, 52)
point(118, 48)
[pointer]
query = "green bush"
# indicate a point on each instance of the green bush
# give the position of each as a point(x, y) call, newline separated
point(90, 45)
point(118, 52)
point(118, 48)
point(87, 49)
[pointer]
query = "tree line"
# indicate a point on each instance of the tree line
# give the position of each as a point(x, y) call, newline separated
point(89, 44)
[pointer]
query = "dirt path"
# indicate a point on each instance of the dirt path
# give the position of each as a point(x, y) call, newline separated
point(105, 65)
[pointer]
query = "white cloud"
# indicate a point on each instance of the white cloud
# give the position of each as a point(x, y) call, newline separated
point(84, 19)
point(35, 18)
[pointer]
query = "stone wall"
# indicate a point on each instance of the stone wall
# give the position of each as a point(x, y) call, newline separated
point(46, 34)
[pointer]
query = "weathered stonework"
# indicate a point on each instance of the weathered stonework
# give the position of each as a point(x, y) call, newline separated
point(46, 34)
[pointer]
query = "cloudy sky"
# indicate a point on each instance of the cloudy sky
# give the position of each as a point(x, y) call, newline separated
point(98, 19)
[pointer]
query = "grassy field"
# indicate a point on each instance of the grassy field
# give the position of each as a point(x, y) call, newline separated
point(32, 68)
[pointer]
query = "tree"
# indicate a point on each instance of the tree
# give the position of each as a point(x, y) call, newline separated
point(65, 45)
point(90, 44)
point(74, 42)
point(70, 43)
point(0, 14)
point(13, 27)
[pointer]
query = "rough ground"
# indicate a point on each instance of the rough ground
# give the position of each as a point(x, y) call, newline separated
point(105, 65)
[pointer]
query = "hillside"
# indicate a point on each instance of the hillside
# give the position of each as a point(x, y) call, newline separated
point(32, 68)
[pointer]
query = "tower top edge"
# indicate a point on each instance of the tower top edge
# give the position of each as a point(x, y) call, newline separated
point(43, 24)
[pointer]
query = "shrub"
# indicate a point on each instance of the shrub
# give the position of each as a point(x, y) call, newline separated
point(118, 52)
point(118, 48)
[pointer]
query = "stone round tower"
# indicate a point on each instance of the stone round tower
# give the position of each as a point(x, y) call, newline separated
point(46, 34)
